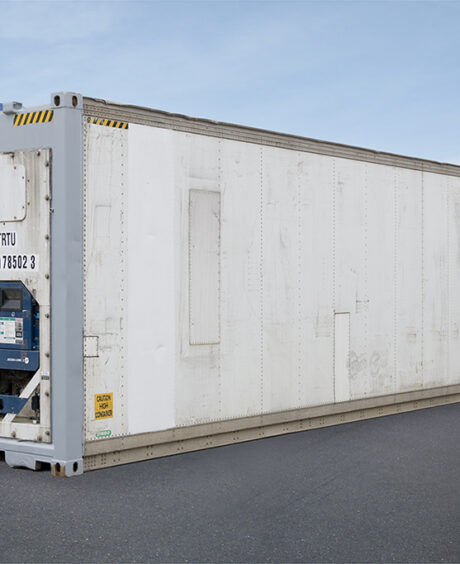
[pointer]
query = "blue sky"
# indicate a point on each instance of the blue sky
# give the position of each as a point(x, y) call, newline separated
point(384, 75)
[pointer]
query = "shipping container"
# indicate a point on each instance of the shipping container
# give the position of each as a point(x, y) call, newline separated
point(169, 284)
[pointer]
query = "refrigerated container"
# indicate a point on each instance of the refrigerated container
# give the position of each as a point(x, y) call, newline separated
point(170, 284)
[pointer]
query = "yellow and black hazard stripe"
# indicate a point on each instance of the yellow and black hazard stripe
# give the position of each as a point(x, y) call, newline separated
point(108, 123)
point(45, 116)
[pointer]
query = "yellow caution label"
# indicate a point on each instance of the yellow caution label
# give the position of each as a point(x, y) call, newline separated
point(108, 123)
point(45, 116)
point(103, 406)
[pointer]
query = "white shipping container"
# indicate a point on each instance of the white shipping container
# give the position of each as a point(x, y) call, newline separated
point(170, 284)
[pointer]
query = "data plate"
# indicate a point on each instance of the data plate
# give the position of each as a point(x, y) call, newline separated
point(11, 331)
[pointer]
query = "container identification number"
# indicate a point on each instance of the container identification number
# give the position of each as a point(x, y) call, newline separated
point(19, 262)
point(8, 238)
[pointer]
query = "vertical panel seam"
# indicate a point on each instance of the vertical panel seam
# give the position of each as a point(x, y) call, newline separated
point(454, 302)
point(422, 216)
point(299, 282)
point(85, 268)
point(190, 275)
point(395, 273)
point(447, 375)
point(219, 277)
point(334, 251)
point(366, 277)
point(395, 278)
point(261, 266)
point(123, 258)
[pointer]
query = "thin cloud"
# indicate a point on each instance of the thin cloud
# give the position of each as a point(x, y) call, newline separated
point(54, 23)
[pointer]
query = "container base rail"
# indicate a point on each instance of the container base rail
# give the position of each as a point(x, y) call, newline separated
point(148, 446)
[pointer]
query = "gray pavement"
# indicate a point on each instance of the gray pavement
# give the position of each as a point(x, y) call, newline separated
point(383, 490)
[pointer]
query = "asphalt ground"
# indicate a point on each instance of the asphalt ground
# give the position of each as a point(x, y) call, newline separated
point(383, 490)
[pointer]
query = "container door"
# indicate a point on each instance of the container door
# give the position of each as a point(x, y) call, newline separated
point(25, 348)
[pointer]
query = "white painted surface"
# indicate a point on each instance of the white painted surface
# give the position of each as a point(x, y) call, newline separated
point(315, 174)
point(435, 281)
point(204, 268)
point(105, 276)
point(378, 279)
point(130, 279)
point(151, 292)
point(12, 192)
point(280, 280)
point(303, 238)
point(90, 347)
point(239, 364)
point(342, 356)
point(409, 290)
point(199, 377)
point(453, 204)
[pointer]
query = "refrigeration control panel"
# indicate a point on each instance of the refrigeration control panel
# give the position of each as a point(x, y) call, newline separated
point(19, 343)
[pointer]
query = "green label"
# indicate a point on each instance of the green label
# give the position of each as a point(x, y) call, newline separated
point(103, 434)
